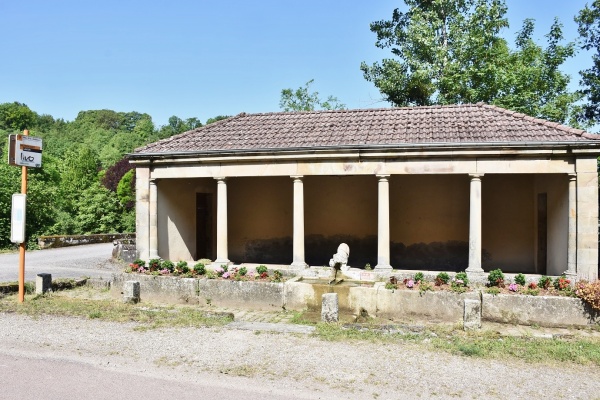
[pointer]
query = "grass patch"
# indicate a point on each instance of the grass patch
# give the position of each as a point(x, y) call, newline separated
point(486, 345)
point(149, 317)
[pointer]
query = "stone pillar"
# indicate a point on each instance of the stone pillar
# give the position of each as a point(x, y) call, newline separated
point(153, 219)
point(131, 292)
point(383, 223)
point(587, 218)
point(43, 283)
point(298, 239)
point(330, 308)
point(222, 256)
point(142, 212)
point(475, 225)
point(472, 314)
point(572, 238)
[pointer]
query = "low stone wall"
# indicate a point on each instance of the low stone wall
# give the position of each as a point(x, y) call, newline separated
point(550, 311)
point(296, 294)
point(46, 242)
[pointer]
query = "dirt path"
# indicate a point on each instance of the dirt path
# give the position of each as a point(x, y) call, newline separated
point(290, 364)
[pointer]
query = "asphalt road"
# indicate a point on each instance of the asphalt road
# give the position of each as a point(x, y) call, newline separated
point(27, 377)
point(92, 260)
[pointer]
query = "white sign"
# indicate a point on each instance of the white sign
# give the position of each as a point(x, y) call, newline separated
point(17, 221)
point(25, 151)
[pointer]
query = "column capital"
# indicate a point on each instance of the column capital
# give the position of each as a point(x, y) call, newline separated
point(476, 176)
point(153, 181)
point(382, 176)
point(572, 176)
point(220, 178)
point(297, 177)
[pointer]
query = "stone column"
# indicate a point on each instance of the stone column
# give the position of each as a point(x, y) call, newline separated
point(222, 256)
point(383, 223)
point(142, 213)
point(153, 211)
point(572, 238)
point(587, 217)
point(298, 239)
point(475, 225)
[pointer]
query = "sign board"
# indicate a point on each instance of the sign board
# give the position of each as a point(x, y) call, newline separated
point(17, 221)
point(25, 150)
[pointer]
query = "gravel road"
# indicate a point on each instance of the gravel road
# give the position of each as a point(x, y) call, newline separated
point(282, 364)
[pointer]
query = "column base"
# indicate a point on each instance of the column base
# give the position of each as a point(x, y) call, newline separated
point(383, 266)
point(153, 255)
point(299, 264)
point(222, 261)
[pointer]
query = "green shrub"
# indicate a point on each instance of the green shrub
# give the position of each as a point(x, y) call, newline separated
point(463, 277)
point(419, 277)
point(168, 265)
point(139, 262)
point(154, 264)
point(494, 290)
point(182, 266)
point(442, 279)
point(199, 269)
point(261, 269)
point(243, 271)
point(545, 282)
point(520, 279)
point(496, 278)
point(391, 286)
point(368, 267)
point(277, 276)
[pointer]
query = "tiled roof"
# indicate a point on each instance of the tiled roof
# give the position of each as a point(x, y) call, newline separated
point(452, 124)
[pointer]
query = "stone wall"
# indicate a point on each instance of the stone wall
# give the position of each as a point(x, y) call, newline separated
point(46, 242)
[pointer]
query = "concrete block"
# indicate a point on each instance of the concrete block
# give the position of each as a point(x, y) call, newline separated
point(43, 283)
point(472, 315)
point(131, 292)
point(330, 308)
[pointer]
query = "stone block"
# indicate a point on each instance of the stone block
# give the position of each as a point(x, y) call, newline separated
point(43, 283)
point(472, 315)
point(131, 292)
point(330, 308)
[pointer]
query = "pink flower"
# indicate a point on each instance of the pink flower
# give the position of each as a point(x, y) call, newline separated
point(226, 275)
point(410, 283)
point(513, 287)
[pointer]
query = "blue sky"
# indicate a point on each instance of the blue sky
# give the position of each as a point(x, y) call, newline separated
point(205, 58)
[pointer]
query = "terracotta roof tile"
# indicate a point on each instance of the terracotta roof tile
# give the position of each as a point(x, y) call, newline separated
point(468, 123)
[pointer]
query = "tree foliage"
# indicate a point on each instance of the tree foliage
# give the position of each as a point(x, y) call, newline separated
point(85, 185)
point(588, 20)
point(303, 99)
point(451, 52)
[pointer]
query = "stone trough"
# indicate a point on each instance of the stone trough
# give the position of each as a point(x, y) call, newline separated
point(356, 297)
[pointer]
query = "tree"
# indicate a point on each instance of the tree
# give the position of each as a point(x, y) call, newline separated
point(302, 99)
point(217, 118)
point(589, 31)
point(16, 117)
point(451, 52)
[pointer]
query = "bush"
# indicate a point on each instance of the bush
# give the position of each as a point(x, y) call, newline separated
point(183, 267)
point(200, 269)
point(545, 282)
point(243, 271)
point(154, 264)
point(168, 265)
point(590, 293)
point(496, 278)
point(442, 279)
point(419, 277)
point(463, 277)
point(520, 279)
point(277, 276)
point(139, 262)
point(261, 269)
point(562, 283)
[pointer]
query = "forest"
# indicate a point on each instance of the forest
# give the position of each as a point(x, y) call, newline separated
point(85, 185)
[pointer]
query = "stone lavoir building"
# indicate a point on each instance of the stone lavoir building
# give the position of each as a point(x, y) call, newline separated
point(421, 188)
